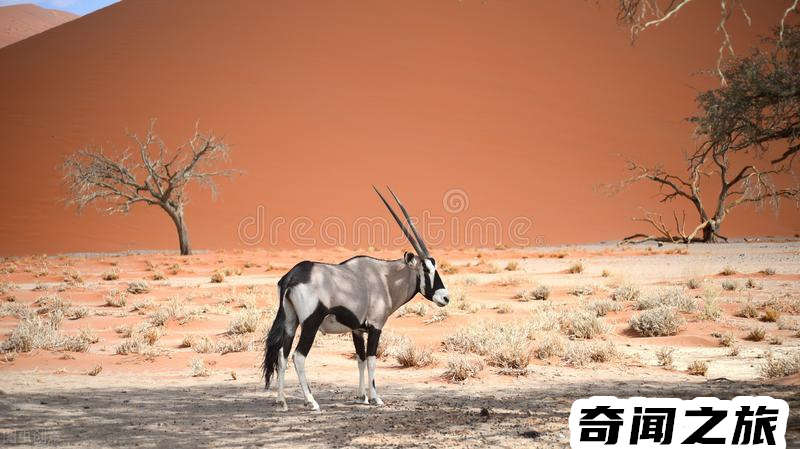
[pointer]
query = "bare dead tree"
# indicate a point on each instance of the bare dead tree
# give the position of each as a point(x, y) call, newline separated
point(641, 15)
point(749, 131)
point(147, 173)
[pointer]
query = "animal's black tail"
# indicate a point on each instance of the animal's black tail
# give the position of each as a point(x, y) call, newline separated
point(274, 342)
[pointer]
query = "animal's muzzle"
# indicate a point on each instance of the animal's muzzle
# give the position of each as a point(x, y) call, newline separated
point(441, 297)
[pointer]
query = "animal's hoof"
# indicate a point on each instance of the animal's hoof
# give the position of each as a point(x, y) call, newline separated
point(376, 401)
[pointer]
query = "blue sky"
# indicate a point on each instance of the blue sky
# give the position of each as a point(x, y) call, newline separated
point(79, 7)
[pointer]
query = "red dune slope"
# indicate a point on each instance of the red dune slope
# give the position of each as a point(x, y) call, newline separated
point(18, 22)
point(522, 105)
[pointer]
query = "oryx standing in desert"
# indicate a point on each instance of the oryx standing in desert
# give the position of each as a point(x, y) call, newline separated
point(357, 296)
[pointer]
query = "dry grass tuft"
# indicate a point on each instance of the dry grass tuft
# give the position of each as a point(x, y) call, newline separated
point(756, 334)
point(417, 308)
point(575, 268)
point(697, 368)
point(670, 297)
point(446, 268)
point(581, 354)
point(244, 322)
point(664, 355)
point(727, 339)
point(234, 344)
point(439, 315)
point(217, 277)
point(659, 321)
point(768, 271)
point(748, 310)
point(711, 310)
point(503, 309)
point(626, 292)
point(539, 293)
point(42, 332)
point(512, 266)
point(603, 307)
point(412, 356)
point(550, 345)
point(728, 271)
point(694, 283)
point(110, 275)
point(582, 290)
point(460, 368)
point(116, 299)
point(97, 369)
point(199, 368)
point(770, 315)
point(138, 287)
point(583, 324)
point(730, 286)
point(780, 367)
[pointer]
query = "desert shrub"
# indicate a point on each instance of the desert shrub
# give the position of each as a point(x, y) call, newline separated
point(667, 297)
point(730, 285)
point(734, 351)
point(780, 367)
point(174, 269)
point(507, 281)
point(416, 308)
point(697, 368)
point(503, 308)
point(97, 369)
point(750, 283)
point(512, 352)
point(15, 309)
point(143, 305)
point(151, 334)
point(768, 271)
point(582, 290)
point(73, 277)
point(34, 332)
point(116, 299)
point(138, 287)
point(389, 344)
point(605, 273)
point(581, 354)
point(583, 324)
point(439, 315)
point(487, 268)
point(110, 275)
point(575, 268)
point(728, 271)
point(775, 340)
point(664, 355)
point(539, 293)
point(727, 340)
point(461, 368)
point(756, 334)
point(512, 266)
point(77, 312)
point(459, 301)
point(234, 344)
point(158, 276)
point(601, 308)
point(217, 277)
point(198, 367)
point(694, 283)
point(711, 310)
point(788, 323)
point(129, 346)
point(124, 330)
point(481, 338)
point(204, 345)
point(659, 321)
point(770, 315)
point(549, 345)
point(446, 268)
point(244, 322)
point(51, 304)
point(748, 310)
point(412, 356)
point(626, 292)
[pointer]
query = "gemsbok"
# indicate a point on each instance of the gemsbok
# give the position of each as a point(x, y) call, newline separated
point(357, 296)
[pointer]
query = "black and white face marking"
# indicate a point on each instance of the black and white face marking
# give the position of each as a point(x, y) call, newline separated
point(431, 285)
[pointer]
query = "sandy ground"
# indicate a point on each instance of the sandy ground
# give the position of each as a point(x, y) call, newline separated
point(151, 398)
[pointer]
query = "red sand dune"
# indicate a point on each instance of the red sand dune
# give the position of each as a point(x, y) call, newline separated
point(521, 104)
point(18, 22)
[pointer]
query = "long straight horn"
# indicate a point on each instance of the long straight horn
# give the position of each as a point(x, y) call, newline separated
point(400, 223)
point(411, 224)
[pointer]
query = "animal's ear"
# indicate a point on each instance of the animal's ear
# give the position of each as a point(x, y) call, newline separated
point(409, 258)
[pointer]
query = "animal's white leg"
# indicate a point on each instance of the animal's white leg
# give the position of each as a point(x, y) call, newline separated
point(282, 362)
point(373, 391)
point(299, 365)
point(362, 384)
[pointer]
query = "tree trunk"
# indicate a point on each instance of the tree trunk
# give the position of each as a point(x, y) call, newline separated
point(180, 226)
point(710, 232)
